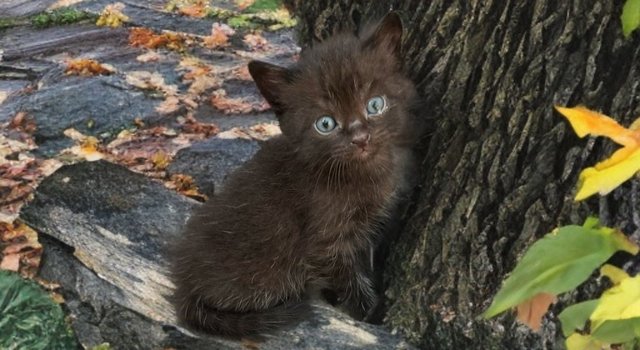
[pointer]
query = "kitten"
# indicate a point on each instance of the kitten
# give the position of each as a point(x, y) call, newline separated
point(301, 215)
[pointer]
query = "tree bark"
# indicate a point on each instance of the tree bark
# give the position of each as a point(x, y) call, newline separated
point(500, 167)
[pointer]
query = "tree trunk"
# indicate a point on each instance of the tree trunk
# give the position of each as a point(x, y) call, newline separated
point(500, 166)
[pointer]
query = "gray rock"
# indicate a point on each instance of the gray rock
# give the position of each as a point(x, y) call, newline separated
point(209, 162)
point(99, 106)
point(105, 228)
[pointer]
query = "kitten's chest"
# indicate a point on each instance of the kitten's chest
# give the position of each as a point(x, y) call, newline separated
point(349, 214)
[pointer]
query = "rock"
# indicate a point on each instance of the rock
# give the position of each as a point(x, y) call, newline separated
point(20, 8)
point(100, 106)
point(105, 228)
point(209, 162)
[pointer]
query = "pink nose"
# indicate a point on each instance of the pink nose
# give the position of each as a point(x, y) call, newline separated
point(361, 139)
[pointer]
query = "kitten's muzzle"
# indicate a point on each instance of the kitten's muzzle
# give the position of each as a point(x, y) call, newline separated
point(361, 139)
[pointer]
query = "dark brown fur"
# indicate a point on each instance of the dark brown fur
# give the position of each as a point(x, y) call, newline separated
point(302, 214)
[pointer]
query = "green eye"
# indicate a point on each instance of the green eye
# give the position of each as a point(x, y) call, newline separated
point(325, 124)
point(376, 105)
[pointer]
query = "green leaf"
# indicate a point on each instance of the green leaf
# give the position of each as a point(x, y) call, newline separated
point(559, 262)
point(575, 316)
point(618, 331)
point(630, 17)
point(29, 318)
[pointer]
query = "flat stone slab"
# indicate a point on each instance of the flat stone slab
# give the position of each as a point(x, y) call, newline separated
point(105, 229)
point(209, 162)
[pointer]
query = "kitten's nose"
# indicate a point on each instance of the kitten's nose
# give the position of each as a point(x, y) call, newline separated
point(361, 138)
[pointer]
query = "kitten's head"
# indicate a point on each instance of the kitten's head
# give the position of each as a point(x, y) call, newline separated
point(346, 99)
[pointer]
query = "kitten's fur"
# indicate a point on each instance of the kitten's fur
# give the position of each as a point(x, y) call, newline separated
point(302, 214)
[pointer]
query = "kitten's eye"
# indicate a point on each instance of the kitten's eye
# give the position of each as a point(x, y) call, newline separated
point(325, 124)
point(376, 105)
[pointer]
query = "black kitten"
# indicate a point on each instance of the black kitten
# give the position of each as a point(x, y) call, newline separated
point(301, 215)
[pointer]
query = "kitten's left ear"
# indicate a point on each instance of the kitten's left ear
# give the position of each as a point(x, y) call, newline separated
point(270, 80)
point(387, 35)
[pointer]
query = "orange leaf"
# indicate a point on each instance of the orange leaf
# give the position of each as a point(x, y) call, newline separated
point(219, 36)
point(531, 311)
point(585, 121)
point(147, 38)
point(87, 67)
point(194, 10)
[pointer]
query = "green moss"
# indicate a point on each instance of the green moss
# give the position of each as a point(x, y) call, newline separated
point(60, 17)
point(103, 346)
point(241, 21)
point(264, 5)
point(12, 22)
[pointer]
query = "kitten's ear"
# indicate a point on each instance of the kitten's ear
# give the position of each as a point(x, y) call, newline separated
point(387, 35)
point(270, 80)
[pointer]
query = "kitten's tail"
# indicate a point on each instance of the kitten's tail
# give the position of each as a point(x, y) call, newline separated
point(234, 324)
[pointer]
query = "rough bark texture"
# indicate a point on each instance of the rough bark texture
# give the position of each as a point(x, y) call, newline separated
point(499, 165)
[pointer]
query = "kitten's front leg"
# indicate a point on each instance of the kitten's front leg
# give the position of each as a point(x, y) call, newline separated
point(354, 289)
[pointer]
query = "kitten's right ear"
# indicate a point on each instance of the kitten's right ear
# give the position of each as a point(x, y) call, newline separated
point(270, 80)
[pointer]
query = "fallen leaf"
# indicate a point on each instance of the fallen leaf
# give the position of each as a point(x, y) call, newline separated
point(219, 36)
point(112, 16)
point(197, 10)
point(10, 262)
point(21, 121)
point(243, 4)
point(160, 160)
point(150, 81)
point(150, 56)
point(170, 105)
point(86, 146)
point(147, 38)
point(607, 175)
point(229, 105)
point(260, 132)
point(256, 42)
point(87, 67)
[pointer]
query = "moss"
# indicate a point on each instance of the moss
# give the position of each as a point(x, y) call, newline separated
point(264, 5)
point(60, 17)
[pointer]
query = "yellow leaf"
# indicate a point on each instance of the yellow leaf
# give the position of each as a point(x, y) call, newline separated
point(618, 302)
point(112, 16)
point(615, 274)
point(603, 180)
point(584, 342)
point(607, 175)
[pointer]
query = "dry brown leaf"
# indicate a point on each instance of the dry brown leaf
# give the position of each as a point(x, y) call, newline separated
point(112, 16)
point(260, 132)
point(192, 126)
point(147, 38)
point(219, 36)
point(197, 10)
point(243, 4)
point(241, 73)
point(150, 81)
point(150, 56)
point(170, 105)
point(531, 311)
point(185, 185)
point(256, 42)
point(21, 121)
point(160, 160)
point(228, 105)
